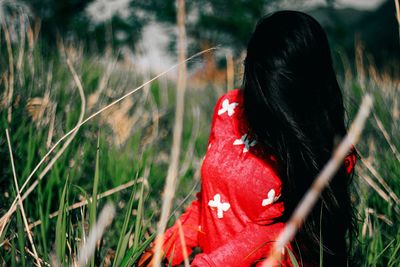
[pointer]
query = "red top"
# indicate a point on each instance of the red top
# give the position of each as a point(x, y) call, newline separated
point(231, 219)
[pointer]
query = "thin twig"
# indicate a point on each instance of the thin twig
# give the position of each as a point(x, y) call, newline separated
point(20, 201)
point(322, 180)
point(396, 2)
point(190, 147)
point(229, 71)
point(33, 255)
point(170, 184)
point(21, 42)
point(380, 179)
point(183, 242)
point(375, 187)
point(387, 137)
point(10, 70)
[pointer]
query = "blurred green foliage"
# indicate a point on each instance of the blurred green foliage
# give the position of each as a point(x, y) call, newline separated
point(209, 23)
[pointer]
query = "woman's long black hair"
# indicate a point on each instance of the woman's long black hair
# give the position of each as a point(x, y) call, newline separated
point(294, 106)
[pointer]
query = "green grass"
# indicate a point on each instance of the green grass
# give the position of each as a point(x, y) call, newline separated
point(97, 160)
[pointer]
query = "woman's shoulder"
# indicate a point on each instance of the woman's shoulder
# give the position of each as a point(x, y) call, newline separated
point(233, 95)
point(228, 112)
point(229, 105)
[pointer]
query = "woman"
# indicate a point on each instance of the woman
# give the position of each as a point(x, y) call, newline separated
point(268, 141)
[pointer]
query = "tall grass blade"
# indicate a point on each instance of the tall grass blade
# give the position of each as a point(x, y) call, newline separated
point(121, 248)
point(133, 254)
point(321, 240)
point(93, 204)
point(61, 226)
point(138, 221)
point(21, 238)
point(292, 258)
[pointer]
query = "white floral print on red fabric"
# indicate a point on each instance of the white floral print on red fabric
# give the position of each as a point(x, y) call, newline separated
point(246, 142)
point(227, 107)
point(221, 206)
point(270, 199)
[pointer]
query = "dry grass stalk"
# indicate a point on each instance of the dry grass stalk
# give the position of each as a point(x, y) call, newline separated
point(375, 187)
point(190, 148)
point(229, 71)
point(39, 108)
point(10, 70)
point(105, 218)
point(387, 137)
point(396, 110)
point(154, 128)
point(367, 224)
point(81, 204)
point(4, 219)
point(380, 179)
point(20, 201)
point(4, 79)
point(120, 121)
point(321, 181)
point(169, 188)
point(69, 140)
point(163, 83)
point(85, 201)
point(183, 242)
point(31, 44)
point(51, 127)
point(32, 254)
point(22, 43)
point(360, 61)
point(396, 2)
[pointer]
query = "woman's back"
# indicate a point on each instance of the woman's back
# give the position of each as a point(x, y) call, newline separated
point(294, 105)
point(235, 218)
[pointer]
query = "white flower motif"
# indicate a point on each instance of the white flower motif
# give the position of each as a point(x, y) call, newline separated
point(227, 107)
point(271, 198)
point(221, 207)
point(246, 142)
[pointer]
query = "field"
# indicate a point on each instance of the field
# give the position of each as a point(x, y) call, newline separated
point(121, 155)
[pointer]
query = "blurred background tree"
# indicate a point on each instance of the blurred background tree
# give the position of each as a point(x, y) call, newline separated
point(374, 28)
point(71, 20)
point(99, 24)
point(218, 22)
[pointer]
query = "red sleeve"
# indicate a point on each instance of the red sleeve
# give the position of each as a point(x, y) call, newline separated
point(172, 245)
point(251, 245)
point(223, 125)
